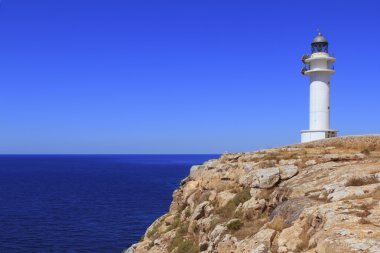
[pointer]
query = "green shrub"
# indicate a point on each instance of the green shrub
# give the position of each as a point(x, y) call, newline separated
point(180, 244)
point(175, 223)
point(151, 234)
point(228, 210)
point(234, 225)
point(186, 246)
point(182, 230)
point(241, 197)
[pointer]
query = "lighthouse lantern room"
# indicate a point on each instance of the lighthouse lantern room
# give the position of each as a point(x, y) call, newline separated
point(318, 66)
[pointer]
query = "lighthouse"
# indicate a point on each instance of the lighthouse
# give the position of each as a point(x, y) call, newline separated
point(318, 66)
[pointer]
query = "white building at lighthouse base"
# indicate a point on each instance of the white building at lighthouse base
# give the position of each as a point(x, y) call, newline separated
point(313, 135)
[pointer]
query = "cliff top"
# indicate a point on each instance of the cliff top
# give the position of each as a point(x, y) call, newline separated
point(315, 197)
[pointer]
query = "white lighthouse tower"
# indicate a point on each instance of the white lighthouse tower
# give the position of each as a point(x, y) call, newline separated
point(318, 67)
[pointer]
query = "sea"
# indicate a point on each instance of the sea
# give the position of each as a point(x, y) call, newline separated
point(85, 203)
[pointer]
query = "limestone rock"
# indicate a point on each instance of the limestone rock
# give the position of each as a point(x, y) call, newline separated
point(260, 242)
point(310, 162)
point(194, 169)
point(255, 204)
point(252, 208)
point(217, 233)
point(129, 250)
point(342, 157)
point(199, 211)
point(224, 197)
point(170, 219)
point(227, 244)
point(289, 162)
point(266, 178)
point(189, 188)
point(288, 171)
point(261, 178)
point(250, 166)
point(353, 192)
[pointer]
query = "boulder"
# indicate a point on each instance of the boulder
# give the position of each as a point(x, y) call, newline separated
point(170, 219)
point(248, 166)
point(310, 162)
point(189, 188)
point(260, 242)
point(342, 157)
point(266, 178)
point(261, 178)
point(129, 250)
point(289, 162)
point(261, 248)
point(227, 244)
point(194, 169)
point(252, 208)
point(199, 211)
point(353, 192)
point(224, 197)
point(288, 171)
point(217, 233)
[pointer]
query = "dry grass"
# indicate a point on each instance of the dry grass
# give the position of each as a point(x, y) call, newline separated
point(153, 232)
point(376, 194)
point(274, 245)
point(264, 194)
point(361, 214)
point(175, 223)
point(271, 156)
point(180, 244)
point(250, 228)
point(277, 223)
point(187, 246)
point(304, 242)
point(325, 152)
point(364, 221)
point(364, 209)
point(365, 152)
point(283, 155)
point(194, 227)
point(241, 197)
point(215, 222)
point(302, 164)
point(228, 210)
point(359, 181)
point(367, 206)
point(286, 155)
point(349, 143)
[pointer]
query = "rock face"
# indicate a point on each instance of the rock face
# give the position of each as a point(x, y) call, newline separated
point(318, 197)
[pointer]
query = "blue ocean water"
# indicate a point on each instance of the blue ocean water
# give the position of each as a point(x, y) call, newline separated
point(79, 203)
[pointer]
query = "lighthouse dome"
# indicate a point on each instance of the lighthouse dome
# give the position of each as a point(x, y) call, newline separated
point(319, 44)
point(319, 39)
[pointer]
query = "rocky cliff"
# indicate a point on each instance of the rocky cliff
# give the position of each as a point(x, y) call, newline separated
point(316, 197)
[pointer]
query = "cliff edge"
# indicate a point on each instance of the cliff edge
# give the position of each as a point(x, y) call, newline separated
point(314, 197)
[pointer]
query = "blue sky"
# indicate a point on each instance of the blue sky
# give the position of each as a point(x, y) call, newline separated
point(120, 76)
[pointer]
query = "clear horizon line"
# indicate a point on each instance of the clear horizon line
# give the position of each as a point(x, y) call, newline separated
point(1, 154)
